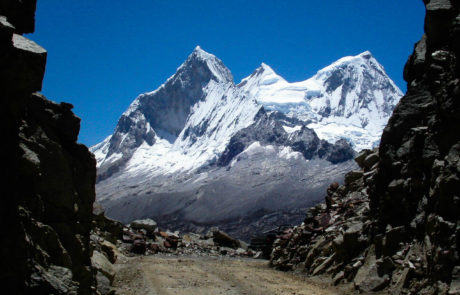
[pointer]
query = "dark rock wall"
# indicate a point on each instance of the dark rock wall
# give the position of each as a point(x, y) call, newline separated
point(421, 141)
point(418, 183)
point(21, 14)
point(396, 223)
point(48, 182)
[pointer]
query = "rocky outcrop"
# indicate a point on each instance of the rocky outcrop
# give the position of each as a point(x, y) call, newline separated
point(106, 234)
point(334, 233)
point(395, 224)
point(268, 130)
point(21, 14)
point(104, 227)
point(49, 178)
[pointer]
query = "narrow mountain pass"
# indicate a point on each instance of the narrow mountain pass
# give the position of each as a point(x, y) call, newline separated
point(209, 275)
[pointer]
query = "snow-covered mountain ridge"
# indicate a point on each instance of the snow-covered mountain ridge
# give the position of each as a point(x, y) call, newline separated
point(351, 99)
point(175, 148)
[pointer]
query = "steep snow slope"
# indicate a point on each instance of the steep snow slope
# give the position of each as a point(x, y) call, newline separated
point(160, 115)
point(352, 98)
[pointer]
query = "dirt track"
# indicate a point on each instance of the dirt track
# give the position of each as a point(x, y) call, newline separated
point(161, 275)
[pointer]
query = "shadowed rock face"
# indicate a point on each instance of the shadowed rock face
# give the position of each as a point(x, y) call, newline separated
point(395, 224)
point(21, 14)
point(418, 184)
point(48, 189)
point(268, 130)
point(163, 112)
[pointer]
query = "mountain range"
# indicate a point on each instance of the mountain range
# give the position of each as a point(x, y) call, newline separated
point(202, 151)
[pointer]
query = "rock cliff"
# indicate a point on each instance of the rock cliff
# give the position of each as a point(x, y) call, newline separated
point(395, 223)
point(48, 179)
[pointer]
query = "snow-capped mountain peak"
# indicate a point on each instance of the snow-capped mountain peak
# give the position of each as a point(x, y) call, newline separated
point(160, 115)
point(352, 98)
point(199, 52)
point(263, 75)
point(198, 109)
point(361, 62)
point(202, 61)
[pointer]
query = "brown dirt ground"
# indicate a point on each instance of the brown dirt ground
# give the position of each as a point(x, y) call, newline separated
point(160, 275)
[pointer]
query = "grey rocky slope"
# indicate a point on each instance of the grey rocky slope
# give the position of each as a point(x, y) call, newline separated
point(395, 224)
point(201, 150)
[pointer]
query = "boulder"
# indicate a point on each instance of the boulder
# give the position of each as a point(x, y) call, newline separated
point(401, 280)
point(29, 60)
point(154, 248)
point(338, 277)
point(167, 244)
point(350, 243)
point(392, 239)
point(367, 278)
point(222, 239)
point(53, 280)
point(104, 286)
point(138, 246)
point(148, 224)
point(454, 288)
point(371, 160)
point(103, 265)
point(110, 251)
point(359, 159)
point(172, 241)
point(322, 267)
point(353, 176)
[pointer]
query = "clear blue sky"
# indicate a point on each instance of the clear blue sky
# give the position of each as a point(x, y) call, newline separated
point(102, 54)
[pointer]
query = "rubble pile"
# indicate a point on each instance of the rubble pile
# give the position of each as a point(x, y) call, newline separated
point(145, 238)
point(105, 234)
point(334, 236)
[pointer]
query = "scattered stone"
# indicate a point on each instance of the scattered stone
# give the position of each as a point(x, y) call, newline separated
point(222, 239)
point(454, 288)
point(154, 248)
point(139, 246)
point(352, 176)
point(148, 224)
point(368, 279)
point(110, 251)
point(370, 161)
point(361, 156)
point(338, 277)
point(102, 264)
point(104, 286)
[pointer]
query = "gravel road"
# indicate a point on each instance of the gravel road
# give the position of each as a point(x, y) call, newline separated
point(161, 275)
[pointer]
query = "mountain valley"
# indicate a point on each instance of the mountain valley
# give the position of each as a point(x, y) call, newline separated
point(369, 181)
point(202, 151)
